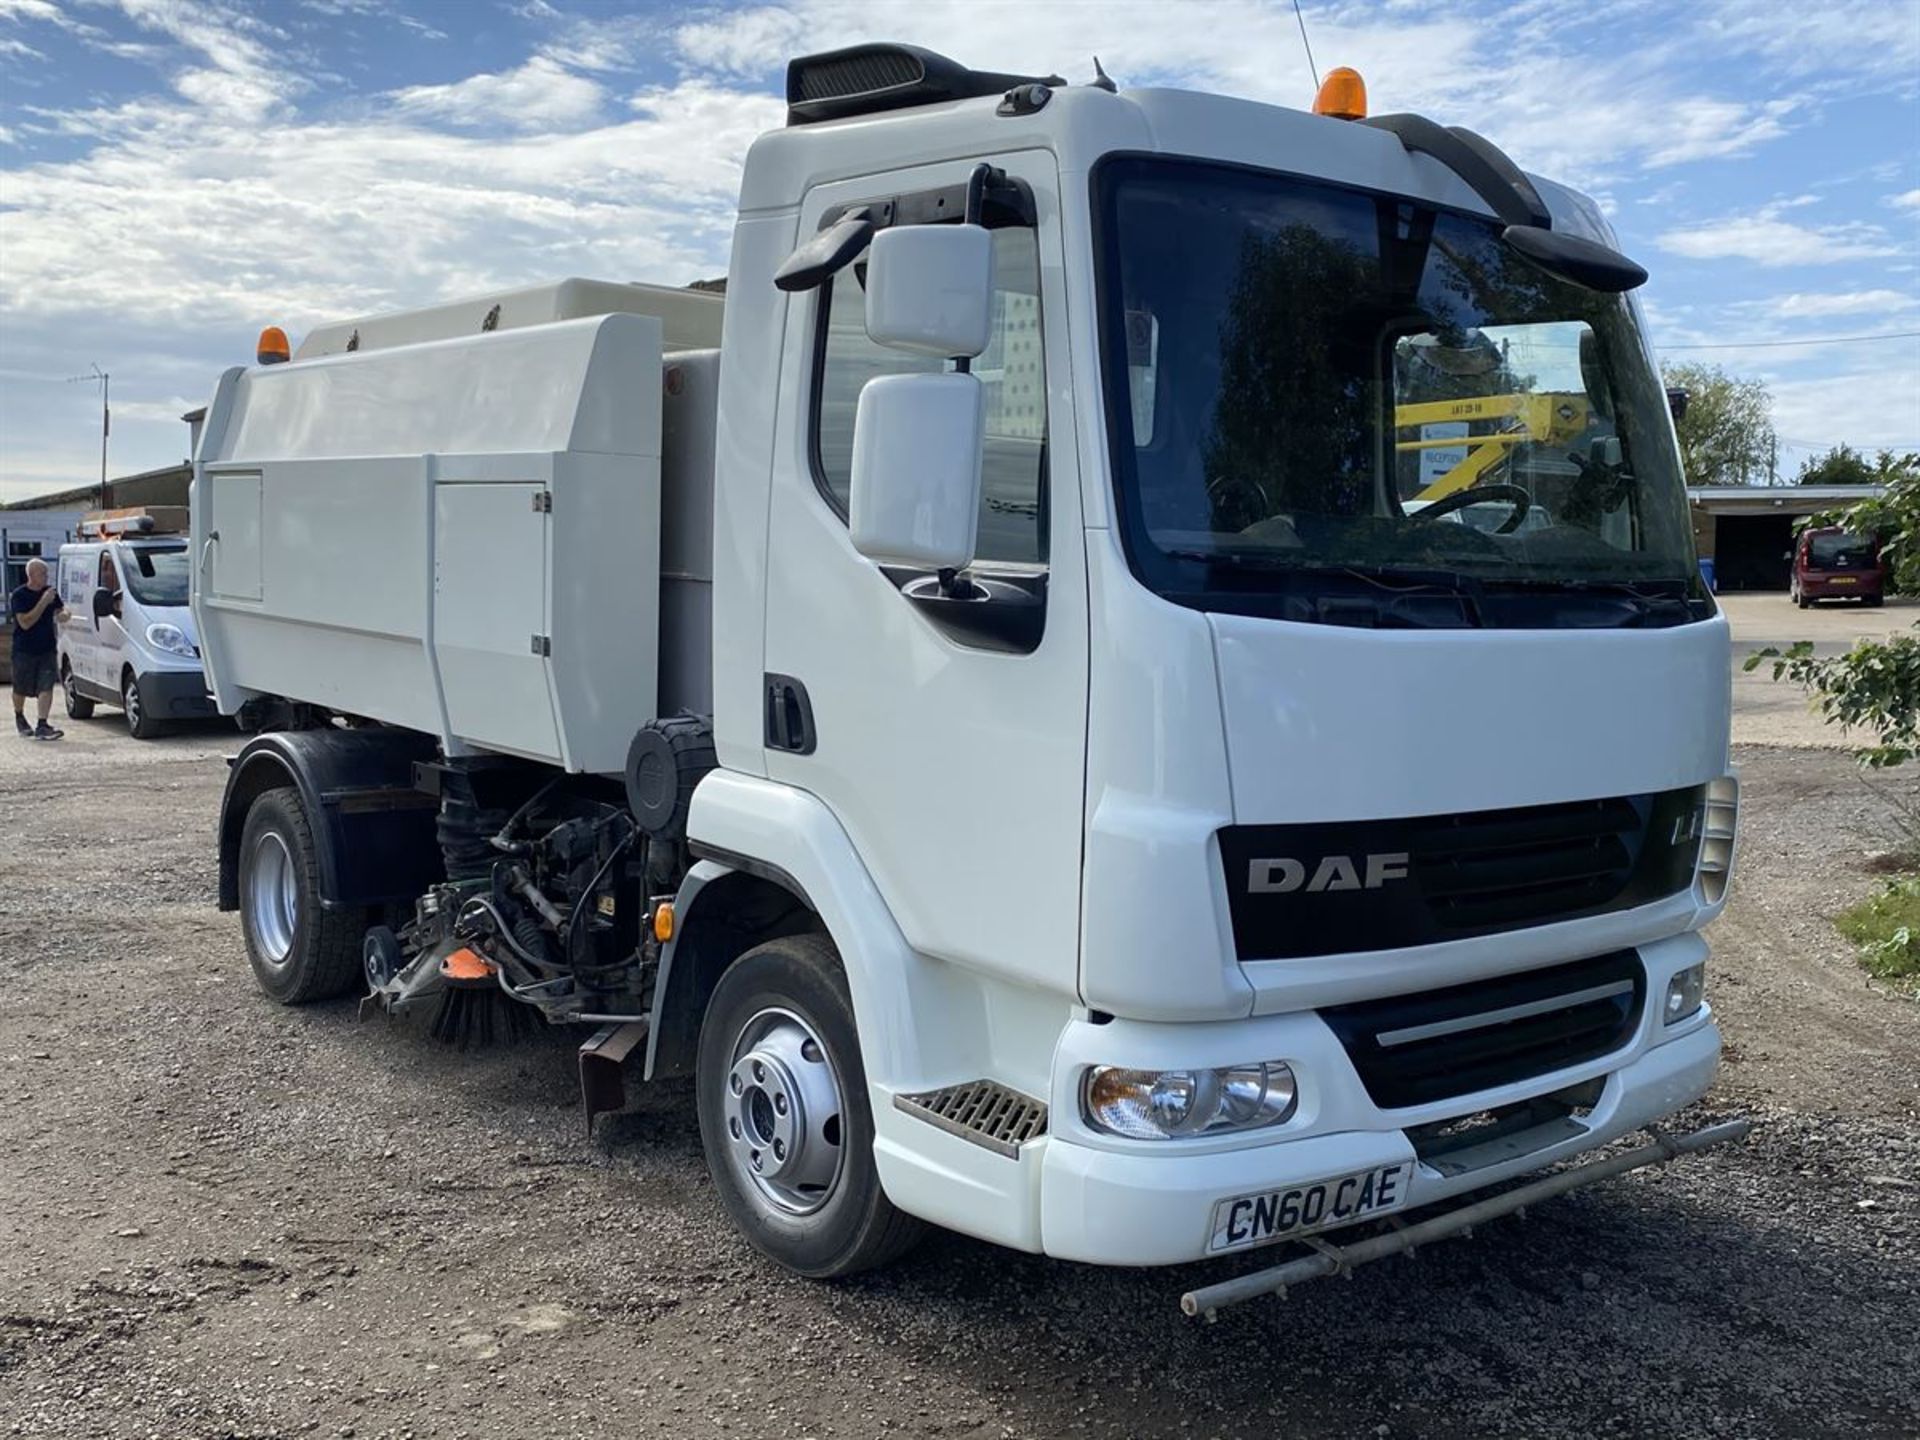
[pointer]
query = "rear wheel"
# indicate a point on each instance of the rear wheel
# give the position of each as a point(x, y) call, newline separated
point(79, 707)
point(140, 724)
point(1875, 600)
point(299, 950)
point(784, 1116)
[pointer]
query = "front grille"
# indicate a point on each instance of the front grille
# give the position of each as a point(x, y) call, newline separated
point(1324, 889)
point(1495, 868)
point(1415, 1049)
point(983, 1111)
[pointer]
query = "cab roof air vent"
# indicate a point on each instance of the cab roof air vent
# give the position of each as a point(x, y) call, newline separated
point(864, 79)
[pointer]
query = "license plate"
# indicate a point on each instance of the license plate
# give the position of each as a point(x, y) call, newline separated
point(1843, 580)
point(1279, 1214)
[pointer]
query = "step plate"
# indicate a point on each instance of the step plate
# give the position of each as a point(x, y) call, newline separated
point(983, 1111)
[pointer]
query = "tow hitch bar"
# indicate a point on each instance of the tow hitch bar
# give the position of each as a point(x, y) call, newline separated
point(1329, 1259)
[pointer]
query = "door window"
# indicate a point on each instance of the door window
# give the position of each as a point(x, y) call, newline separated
point(1011, 370)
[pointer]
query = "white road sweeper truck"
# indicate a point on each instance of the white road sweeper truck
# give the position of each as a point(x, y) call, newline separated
point(1006, 709)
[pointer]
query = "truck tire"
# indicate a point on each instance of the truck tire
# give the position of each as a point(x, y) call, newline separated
point(140, 722)
point(299, 950)
point(79, 707)
point(784, 1116)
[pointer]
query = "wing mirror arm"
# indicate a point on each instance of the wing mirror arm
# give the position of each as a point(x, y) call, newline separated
point(826, 254)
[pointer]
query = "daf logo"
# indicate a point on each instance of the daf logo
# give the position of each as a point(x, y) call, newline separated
point(1334, 872)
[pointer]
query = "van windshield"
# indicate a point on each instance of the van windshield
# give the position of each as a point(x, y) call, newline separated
point(156, 575)
point(1328, 404)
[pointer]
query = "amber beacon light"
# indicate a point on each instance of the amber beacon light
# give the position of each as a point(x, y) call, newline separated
point(273, 348)
point(1343, 95)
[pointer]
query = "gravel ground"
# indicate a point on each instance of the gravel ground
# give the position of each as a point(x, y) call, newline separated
point(218, 1218)
point(1767, 713)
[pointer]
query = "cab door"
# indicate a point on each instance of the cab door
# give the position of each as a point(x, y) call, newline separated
point(954, 758)
point(107, 652)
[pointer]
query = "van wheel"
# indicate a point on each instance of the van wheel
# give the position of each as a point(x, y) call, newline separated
point(140, 724)
point(79, 707)
point(1875, 601)
point(299, 950)
point(784, 1117)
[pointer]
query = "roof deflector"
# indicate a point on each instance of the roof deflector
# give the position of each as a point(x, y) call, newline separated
point(866, 79)
point(1511, 196)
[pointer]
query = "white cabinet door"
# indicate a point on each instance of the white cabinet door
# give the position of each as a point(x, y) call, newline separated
point(489, 613)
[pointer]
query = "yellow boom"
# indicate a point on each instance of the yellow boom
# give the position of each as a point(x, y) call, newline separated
point(1525, 419)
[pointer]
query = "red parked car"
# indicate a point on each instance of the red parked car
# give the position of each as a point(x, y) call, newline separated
point(1831, 563)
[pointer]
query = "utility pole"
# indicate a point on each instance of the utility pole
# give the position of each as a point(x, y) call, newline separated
point(105, 380)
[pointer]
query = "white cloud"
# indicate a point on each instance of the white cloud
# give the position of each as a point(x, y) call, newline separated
point(1766, 239)
point(1905, 200)
point(1868, 407)
point(1819, 306)
point(539, 95)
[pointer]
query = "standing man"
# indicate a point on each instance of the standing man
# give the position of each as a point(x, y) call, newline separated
point(34, 610)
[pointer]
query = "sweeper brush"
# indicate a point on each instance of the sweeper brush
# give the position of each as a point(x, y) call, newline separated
point(472, 1010)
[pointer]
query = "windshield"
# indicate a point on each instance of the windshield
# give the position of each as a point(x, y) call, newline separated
point(156, 576)
point(1831, 551)
point(1323, 396)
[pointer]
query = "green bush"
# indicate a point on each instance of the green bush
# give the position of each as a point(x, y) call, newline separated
point(1886, 927)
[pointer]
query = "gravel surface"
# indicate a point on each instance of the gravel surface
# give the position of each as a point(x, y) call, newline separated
point(219, 1218)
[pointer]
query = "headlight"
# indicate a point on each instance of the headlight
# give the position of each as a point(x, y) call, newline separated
point(172, 638)
point(1171, 1104)
point(1684, 992)
point(1718, 822)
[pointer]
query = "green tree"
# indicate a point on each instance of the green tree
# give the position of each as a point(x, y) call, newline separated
point(1726, 436)
point(1842, 465)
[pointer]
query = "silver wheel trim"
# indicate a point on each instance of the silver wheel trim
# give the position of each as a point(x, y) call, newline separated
point(130, 701)
point(273, 901)
point(784, 1114)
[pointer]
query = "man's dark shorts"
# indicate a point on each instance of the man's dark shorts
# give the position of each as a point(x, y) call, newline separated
point(34, 674)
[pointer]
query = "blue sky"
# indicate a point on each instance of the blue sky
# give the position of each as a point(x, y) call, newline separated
point(176, 173)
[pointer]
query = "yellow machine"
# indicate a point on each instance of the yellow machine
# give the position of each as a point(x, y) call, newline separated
point(1546, 418)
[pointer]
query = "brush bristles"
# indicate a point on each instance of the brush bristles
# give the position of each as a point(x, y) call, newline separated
point(470, 1018)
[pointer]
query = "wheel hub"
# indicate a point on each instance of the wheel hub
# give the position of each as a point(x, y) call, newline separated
point(273, 901)
point(782, 1113)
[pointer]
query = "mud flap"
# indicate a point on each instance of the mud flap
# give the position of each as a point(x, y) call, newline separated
point(603, 1067)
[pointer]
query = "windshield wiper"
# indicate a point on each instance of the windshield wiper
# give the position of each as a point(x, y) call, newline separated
point(1378, 592)
point(1393, 578)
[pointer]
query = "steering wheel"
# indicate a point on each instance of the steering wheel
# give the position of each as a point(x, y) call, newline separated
point(1237, 502)
point(1518, 498)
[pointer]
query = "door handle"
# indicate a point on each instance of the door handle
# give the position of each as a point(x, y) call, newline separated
point(789, 716)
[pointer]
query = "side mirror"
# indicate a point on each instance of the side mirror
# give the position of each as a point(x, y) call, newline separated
point(1677, 400)
point(930, 289)
point(917, 442)
point(102, 603)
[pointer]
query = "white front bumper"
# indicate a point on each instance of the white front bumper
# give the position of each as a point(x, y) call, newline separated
point(1142, 1205)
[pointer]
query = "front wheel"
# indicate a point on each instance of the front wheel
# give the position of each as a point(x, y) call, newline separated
point(299, 950)
point(79, 707)
point(140, 722)
point(784, 1117)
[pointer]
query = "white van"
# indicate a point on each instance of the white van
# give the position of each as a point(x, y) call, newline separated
point(131, 640)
